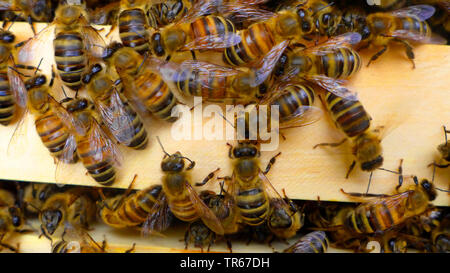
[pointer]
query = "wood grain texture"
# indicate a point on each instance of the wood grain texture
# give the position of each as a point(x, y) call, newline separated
point(413, 103)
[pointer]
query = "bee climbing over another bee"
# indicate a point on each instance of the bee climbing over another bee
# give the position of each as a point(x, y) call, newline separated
point(32, 10)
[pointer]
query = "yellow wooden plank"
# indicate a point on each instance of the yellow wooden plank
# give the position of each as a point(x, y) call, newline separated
point(389, 89)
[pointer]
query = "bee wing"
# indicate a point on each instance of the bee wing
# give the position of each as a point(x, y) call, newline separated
point(94, 42)
point(330, 46)
point(32, 50)
point(208, 217)
point(421, 12)
point(303, 116)
point(67, 118)
point(275, 198)
point(17, 87)
point(213, 41)
point(160, 219)
point(333, 86)
point(246, 11)
point(117, 119)
point(101, 145)
point(18, 141)
point(266, 65)
point(418, 37)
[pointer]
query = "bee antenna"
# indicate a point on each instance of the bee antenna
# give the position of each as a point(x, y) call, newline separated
point(324, 7)
point(142, 64)
point(37, 68)
point(222, 184)
point(162, 147)
point(33, 206)
point(441, 189)
point(18, 72)
point(64, 91)
point(370, 180)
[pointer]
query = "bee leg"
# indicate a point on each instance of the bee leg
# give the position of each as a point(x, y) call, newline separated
point(357, 194)
point(207, 178)
point(350, 169)
point(409, 50)
point(14, 249)
point(229, 245)
point(440, 166)
point(186, 238)
point(132, 249)
point(331, 144)
point(194, 57)
point(271, 162)
point(30, 21)
point(113, 27)
point(230, 150)
point(377, 55)
point(400, 175)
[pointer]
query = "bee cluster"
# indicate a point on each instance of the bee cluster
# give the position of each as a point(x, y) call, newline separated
point(272, 53)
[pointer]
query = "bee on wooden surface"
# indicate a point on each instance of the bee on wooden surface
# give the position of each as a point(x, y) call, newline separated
point(249, 186)
point(120, 118)
point(98, 153)
point(74, 42)
point(144, 208)
point(11, 221)
point(401, 26)
point(32, 10)
point(351, 117)
point(314, 242)
point(71, 207)
point(218, 83)
point(164, 13)
point(334, 59)
point(77, 240)
point(145, 88)
point(199, 235)
point(444, 151)
point(182, 199)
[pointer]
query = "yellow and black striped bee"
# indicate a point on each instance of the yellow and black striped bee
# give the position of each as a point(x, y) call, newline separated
point(401, 26)
point(77, 240)
point(12, 89)
point(73, 207)
point(164, 13)
point(35, 194)
point(285, 218)
point(334, 59)
point(182, 199)
point(119, 116)
point(219, 83)
point(104, 14)
point(144, 208)
point(314, 242)
point(74, 41)
point(350, 116)
point(32, 10)
point(260, 37)
point(98, 153)
point(145, 88)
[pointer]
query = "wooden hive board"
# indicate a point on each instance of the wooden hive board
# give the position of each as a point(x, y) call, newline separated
point(415, 102)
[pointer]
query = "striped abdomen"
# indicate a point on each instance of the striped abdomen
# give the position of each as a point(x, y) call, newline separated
point(256, 41)
point(97, 160)
point(7, 101)
point(342, 63)
point(376, 216)
point(253, 205)
point(183, 209)
point(314, 242)
point(52, 132)
point(155, 94)
point(292, 98)
point(162, 14)
point(413, 25)
point(210, 86)
point(138, 206)
point(211, 25)
point(348, 115)
point(70, 58)
point(133, 29)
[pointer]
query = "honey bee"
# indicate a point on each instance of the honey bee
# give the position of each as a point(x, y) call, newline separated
point(74, 42)
point(32, 10)
point(314, 242)
point(35, 194)
point(401, 26)
point(218, 83)
point(444, 150)
point(120, 118)
point(13, 92)
point(105, 15)
point(76, 240)
point(441, 236)
point(98, 153)
point(334, 59)
point(351, 117)
point(285, 218)
point(324, 14)
point(70, 207)
point(260, 37)
point(183, 200)
point(389, 211)
point(249, 186)
point(200, 235)
point(11, 221)
point(167, 12)
point(144, 88)
point(353, 20)
point(392, 242)
point(145, 208)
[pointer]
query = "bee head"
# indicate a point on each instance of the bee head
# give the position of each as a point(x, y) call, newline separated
point(306, 19)
point(51, 219)
point(93, 70)
point(429, 189)
point(7, 37)
point(111, 49)
point(35, 81)
point(157, 44)
point(280, 218)
point(245, 150)
point(173, 163)
point(41, 9)
point(75, 105)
